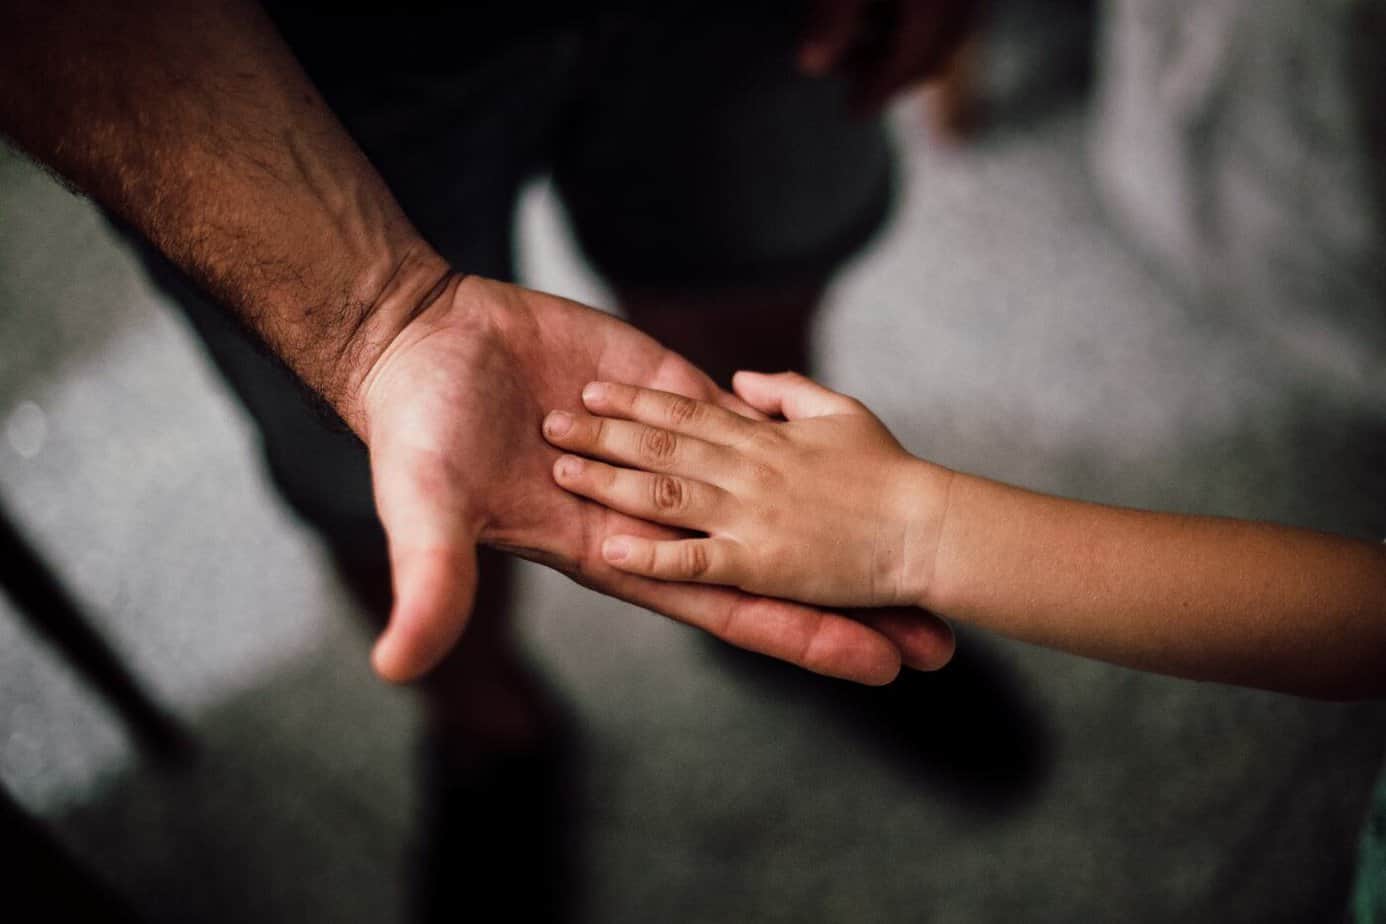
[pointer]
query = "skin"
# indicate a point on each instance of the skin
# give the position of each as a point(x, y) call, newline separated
point(824, 505)
point(194, 124)
point(477, 370)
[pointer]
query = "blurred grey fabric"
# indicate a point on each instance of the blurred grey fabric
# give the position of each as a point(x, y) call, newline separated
point(1242, 144)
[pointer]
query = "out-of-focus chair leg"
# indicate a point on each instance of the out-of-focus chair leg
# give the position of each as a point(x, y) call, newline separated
point(45, 604)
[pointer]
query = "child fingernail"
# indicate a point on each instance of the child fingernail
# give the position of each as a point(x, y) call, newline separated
point(593, 392)
point(569, 467)
point(558, 423)
point(615, 549)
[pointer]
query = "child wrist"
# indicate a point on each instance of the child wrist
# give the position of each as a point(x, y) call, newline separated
point(927, 506)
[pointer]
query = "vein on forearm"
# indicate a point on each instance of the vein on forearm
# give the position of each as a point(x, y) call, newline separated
point(194, 124)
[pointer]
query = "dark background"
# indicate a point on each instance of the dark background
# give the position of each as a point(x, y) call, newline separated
point(1003, 325)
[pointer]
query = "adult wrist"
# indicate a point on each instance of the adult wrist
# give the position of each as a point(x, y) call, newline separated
point(391, 297)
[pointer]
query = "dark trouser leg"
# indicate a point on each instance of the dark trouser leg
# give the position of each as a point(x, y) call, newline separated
point(767, 330)
point(720, 200)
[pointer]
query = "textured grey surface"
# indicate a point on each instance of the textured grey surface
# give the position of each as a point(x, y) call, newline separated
point(1241, 142)
point(1000, 326)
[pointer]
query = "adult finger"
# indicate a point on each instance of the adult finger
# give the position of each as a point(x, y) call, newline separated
point(821, 641)
point(925, 642)
point(432, 543)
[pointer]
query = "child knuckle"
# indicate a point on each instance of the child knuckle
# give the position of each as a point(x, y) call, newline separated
point(669, 494)
point(760, 474)
point(682, 411)
point(600, 434)
point(657, 446)
point(767, 439)
point(696, 561)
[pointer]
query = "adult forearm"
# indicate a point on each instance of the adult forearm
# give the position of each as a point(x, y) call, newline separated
point(1198, 597)
point(194, 123)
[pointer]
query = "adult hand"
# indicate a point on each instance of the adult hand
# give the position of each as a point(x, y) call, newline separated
point(882, 46)
point(241, 175)
point(451, 412)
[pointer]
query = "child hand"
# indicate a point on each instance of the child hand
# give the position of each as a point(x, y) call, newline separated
point(825, 506)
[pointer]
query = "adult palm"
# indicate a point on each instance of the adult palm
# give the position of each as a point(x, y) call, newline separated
point(453, 408)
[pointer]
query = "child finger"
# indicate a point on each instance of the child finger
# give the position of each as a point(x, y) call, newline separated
point(705, 561)
point(666, 410)
point(790, 395)
point(636, 445)
point(658, 498)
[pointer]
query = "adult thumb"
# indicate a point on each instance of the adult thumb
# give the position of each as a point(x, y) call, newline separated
point(434, 589)
point(432, 533)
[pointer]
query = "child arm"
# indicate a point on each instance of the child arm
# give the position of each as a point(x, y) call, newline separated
point(1205, 598)
point(825, 506)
